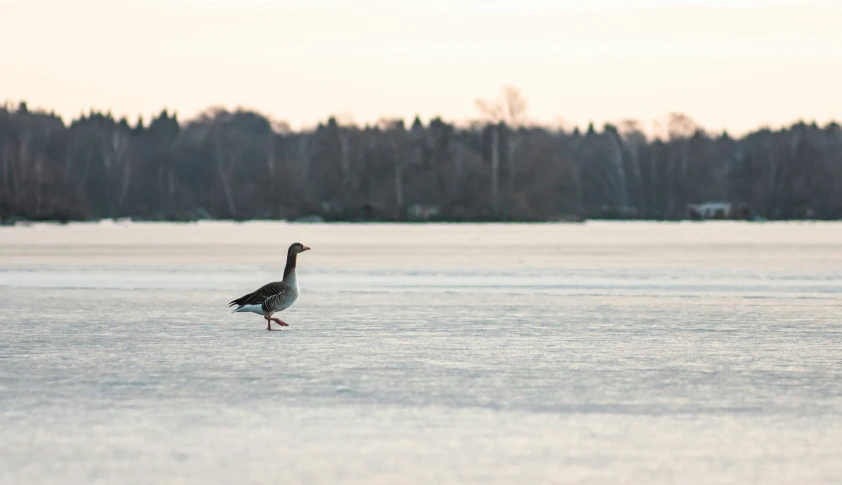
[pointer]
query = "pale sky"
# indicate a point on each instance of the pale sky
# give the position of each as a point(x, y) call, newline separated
point(736, 64)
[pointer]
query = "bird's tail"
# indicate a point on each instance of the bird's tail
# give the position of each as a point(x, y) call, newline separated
point(236, 302)
point(248, 308)
point(241, 303)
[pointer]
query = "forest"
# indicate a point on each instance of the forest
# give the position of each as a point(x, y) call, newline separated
point(240, 164)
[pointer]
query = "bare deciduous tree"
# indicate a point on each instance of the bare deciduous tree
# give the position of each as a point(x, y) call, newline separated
point(507, 111)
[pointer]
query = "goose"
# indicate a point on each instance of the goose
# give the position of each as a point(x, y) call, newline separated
point(273, 297)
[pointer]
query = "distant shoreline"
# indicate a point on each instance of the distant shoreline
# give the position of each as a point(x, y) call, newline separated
point(241, 165)
point(24, 223)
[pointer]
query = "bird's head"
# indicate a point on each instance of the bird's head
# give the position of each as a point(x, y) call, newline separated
point(298, 248)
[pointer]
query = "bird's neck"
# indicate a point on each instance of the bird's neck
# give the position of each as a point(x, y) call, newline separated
point(289, 270)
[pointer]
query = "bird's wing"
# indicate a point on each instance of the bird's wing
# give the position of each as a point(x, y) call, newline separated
point(276, 301)
point(260, 295)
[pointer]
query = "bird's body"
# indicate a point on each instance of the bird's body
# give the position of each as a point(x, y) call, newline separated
point(273, 297)
point(269, 298)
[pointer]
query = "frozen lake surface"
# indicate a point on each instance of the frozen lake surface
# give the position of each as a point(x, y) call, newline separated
point(598, 353)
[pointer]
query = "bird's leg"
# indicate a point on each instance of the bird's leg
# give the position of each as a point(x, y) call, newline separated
point(268, 323)
point(279, 322)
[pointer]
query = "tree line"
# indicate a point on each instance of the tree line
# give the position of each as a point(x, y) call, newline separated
point(240, 164)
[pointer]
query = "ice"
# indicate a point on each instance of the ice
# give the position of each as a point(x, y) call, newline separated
point(590, 353)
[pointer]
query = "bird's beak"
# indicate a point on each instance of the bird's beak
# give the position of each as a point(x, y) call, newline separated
point(306, 248)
